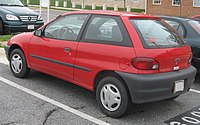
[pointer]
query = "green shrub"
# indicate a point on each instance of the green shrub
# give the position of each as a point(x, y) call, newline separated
point(35, 2)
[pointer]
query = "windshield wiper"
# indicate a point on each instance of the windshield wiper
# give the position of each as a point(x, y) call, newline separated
point(4, 4)
point(16, 5)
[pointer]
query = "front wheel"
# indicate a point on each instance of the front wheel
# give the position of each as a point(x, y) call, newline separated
point(18, 64)
point(112, 96)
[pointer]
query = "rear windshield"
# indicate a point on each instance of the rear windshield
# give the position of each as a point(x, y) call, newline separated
point(195, 25)
point(156, 34)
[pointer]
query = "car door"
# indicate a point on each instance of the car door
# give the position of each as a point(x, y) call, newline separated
point(54, 52)
point(105, 45)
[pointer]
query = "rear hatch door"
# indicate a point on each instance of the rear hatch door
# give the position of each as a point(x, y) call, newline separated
point(162, 43)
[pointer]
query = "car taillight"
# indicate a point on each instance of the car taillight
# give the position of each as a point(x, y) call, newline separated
point(144, 63)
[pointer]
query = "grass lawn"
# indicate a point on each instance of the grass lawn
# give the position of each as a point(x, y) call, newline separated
point(4, 38)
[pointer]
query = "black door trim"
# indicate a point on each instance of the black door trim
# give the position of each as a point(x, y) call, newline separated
point(61, 63)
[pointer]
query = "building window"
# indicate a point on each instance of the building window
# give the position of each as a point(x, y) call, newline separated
point(196, 3)
point(157, 2)
point(176, 2)
point(135, 0)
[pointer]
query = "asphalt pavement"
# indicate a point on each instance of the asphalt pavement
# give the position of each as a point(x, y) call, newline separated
point(41, 99)
point(19, 108)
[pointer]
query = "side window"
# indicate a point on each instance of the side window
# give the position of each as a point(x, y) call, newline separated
point(65, 28)
point(181, 30)
point(106, 30)
point(176, 26)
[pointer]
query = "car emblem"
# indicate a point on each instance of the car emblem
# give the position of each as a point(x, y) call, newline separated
point(29, 18)
point(177, 60)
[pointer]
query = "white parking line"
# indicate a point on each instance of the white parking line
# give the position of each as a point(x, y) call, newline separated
point(56, 103)
point(196, 91)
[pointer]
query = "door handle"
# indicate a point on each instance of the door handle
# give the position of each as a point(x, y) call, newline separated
point(46, 39)
point(67, 49)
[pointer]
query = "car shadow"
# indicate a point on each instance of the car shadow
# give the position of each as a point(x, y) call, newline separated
point(197, 78)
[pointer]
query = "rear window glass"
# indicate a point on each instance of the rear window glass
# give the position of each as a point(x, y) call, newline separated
point(195, 25)
point(155, 34)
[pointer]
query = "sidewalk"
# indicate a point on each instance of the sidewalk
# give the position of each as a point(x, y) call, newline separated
point(3, 58)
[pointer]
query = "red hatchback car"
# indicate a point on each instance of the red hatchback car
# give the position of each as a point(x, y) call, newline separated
point(123, 57)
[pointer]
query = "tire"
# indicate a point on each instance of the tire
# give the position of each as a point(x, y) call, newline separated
point(1, 28)
point(18, 64)
point(114, 85)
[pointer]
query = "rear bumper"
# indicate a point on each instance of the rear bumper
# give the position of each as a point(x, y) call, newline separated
point(12, 26)
point(156, 87)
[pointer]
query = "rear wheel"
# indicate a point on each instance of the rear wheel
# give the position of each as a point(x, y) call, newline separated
point(18, 64)
point(1, 27)
point(112, 96)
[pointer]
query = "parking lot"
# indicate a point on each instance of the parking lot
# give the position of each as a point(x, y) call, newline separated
point(41, 99)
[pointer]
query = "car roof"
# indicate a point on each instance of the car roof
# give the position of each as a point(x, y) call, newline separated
point(182, 19)
point(177, 18)
point(195, 16)
point(113, 13)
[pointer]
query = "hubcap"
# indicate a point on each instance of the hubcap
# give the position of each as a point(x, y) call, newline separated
point(16, 63)
point(110, 97)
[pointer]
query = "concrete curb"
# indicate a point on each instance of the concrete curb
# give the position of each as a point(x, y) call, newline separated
point(3, 43)
point(3, 58)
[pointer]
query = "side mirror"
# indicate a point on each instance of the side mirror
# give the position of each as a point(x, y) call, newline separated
point(38, 33)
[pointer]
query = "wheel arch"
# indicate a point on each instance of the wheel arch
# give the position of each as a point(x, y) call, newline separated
point(1, 20)
point(14, 46)
point(105, 73)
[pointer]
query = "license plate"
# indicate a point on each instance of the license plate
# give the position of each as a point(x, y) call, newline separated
point(178, 86)
point(30, 27)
